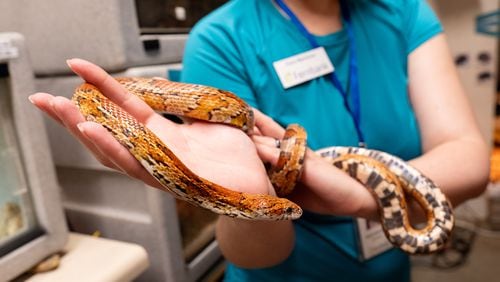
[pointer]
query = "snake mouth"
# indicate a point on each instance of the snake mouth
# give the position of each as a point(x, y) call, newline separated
point(293, 213)
point(283, 209)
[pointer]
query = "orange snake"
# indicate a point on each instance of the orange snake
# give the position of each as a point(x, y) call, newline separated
point(386, 176)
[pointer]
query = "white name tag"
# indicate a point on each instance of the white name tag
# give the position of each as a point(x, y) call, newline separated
point(371, 238)
point(303, 67)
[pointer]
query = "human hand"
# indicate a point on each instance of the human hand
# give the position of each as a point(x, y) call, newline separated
point(323, 188)
point(219, 153)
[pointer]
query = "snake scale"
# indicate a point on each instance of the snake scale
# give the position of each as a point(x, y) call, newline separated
point(387, 177)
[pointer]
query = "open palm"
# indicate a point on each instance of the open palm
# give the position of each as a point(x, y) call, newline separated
point(219, 153)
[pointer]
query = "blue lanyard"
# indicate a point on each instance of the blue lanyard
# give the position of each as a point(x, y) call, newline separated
point(353, 111)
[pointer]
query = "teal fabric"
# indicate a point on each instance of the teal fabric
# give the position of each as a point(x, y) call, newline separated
point(234, 49)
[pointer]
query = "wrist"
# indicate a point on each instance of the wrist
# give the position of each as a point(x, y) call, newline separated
point(333, 191)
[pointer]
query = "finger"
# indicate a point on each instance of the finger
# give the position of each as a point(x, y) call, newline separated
point(117, 154)
point(111, 89)
point(256, 131)
point(44, 102)
point(70, 117)
point(267, 153)
point(267, 125)
point(266, 140)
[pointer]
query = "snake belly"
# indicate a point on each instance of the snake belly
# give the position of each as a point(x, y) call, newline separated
point(389, 178)
point(162, 163)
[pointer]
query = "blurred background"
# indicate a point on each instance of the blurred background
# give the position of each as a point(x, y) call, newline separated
point(60, 206)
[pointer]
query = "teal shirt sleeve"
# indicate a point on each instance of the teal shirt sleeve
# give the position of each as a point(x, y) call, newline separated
point(212, 58)
point(421, 23)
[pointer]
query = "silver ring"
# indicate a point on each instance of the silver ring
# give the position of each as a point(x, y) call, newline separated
point(277, 143)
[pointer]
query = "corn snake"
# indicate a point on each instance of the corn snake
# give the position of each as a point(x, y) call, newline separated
point(386, 176)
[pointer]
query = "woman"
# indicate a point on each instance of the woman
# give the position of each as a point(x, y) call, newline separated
point(404, 97)
point(411, 104)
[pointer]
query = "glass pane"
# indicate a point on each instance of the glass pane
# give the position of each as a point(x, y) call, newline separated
point(17, 216)
point(172, 16)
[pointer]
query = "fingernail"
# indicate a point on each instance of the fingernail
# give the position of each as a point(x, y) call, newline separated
point(51, 103)
point(80, 127)
point(30, 98)
point(68, 62)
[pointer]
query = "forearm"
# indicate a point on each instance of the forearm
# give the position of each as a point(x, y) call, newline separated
point(455, 155)
point(255, 244)
point(459, 167)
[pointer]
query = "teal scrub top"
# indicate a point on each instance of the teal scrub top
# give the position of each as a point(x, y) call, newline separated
point(234, 48)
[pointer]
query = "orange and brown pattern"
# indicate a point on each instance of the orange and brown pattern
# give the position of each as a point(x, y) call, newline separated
point(387, 177)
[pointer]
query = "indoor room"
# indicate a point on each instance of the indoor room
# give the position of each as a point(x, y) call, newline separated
point(249, 140)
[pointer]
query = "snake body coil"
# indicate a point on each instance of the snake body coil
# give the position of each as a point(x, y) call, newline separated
point(386, 176)
point(389, 178)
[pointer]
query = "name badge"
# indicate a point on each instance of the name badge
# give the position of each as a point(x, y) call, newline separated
point(303, 67)
point(372, 239)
